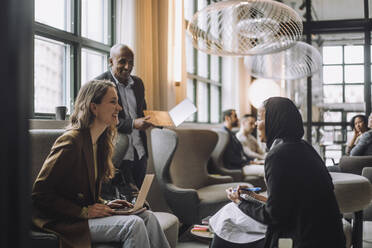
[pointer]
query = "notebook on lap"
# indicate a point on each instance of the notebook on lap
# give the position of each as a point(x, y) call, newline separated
point(138, 206)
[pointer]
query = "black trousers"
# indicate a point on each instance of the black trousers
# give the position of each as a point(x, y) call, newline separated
point(218, 242)
point(138, 167)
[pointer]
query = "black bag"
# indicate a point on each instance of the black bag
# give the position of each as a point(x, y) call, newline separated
point(122, 186)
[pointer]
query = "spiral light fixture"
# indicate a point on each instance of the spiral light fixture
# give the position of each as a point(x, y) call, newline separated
point(298, 61)
point(245, 27)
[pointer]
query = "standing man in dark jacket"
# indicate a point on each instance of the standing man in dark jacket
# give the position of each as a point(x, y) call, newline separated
point(131, 119)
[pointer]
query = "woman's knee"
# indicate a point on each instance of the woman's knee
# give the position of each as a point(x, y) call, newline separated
point(138, 224)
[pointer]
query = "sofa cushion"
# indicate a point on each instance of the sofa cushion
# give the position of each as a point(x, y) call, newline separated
point(42, 141)
point(169, 224)
point(353, 192)
point(43, 239)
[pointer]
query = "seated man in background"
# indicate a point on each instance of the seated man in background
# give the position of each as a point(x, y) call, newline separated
point(364, 145)
point(249, 142)
point(234, 156)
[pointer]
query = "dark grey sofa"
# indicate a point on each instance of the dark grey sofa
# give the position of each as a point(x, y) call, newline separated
point(41, 142)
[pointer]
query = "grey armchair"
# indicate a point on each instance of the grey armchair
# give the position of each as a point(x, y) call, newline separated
point(355, 164)
point(218, 164)
point(367, 212)
point(180, 161)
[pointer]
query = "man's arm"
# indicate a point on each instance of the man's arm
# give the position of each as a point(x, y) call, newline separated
point(125, 125)
point(364, 141)
point(252, 154)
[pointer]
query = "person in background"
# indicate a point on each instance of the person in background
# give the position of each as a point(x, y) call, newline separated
point(364, 145)
point(234, 156)
point(131, 118)
point(300, 204)
point(249, 142)
point(66, 194)
point(359, 124)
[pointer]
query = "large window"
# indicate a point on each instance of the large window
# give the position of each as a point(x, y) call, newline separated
point(203, 74)
point(342, 92)
point(71, 46)
point(342, 88)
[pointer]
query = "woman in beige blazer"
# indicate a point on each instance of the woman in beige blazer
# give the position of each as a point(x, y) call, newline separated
point(65, 195)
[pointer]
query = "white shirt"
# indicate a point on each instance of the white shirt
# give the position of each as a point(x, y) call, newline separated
point(128, 100)
point(250, 145)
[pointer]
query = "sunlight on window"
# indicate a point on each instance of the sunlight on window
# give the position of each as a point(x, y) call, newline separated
point(354, 54)
point(215, 99)
point(332, 55)
point(354, 74)
point(354, 94)
point(332, 94)
point(332, 74)
point(202, 102)
point(92, 64)
point(52, 84)
point(331, 116)
point(54, 13)
point(190, 94)
point(94, 14)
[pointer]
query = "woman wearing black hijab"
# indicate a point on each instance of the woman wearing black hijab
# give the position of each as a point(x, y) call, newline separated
point(301, 204)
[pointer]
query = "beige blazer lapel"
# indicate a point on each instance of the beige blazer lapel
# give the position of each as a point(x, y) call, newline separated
point(89, 162)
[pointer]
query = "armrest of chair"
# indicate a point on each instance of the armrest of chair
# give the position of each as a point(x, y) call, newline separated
point(367, 172)
point(217, 179)
point(237, 175)
point(183, 202)
point(41, 238)
point(367, 213)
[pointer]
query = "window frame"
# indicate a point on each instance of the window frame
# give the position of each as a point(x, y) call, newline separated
point(76, 42)
point(313, 27)
point(343, 65)
point(207, 80)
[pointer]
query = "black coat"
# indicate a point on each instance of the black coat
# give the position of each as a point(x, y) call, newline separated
point(234, 156)
point(125, 122)
point(301, 203)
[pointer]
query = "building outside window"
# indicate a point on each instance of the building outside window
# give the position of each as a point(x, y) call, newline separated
point(72, 41)
point(342, 88)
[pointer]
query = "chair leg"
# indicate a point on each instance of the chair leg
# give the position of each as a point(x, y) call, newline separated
point(358, 229)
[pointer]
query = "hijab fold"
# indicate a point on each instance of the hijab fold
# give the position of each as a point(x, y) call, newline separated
point(282, 120)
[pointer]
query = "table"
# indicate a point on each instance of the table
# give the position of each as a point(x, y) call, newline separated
point(353, 194)
point(204, 237)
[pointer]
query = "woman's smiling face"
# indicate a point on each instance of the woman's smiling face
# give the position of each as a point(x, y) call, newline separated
point(107, 111)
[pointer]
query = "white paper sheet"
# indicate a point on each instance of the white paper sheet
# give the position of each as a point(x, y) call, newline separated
point(231, 224)
point(182, 111)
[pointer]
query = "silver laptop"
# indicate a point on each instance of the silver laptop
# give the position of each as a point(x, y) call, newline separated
point(138, 206)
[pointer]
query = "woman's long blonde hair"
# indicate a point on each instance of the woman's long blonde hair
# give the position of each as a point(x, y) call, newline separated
point(82, 117)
